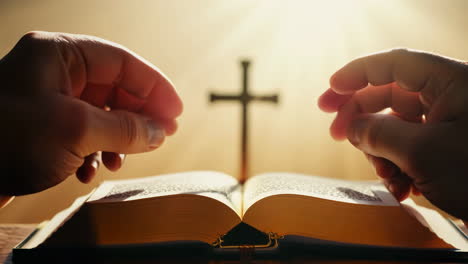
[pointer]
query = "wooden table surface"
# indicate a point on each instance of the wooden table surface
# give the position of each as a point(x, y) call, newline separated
point(10, 236)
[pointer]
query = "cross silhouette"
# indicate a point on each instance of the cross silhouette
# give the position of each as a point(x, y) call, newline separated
point(244, 98)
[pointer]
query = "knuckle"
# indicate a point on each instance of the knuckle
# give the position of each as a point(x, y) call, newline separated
point(399, 52)
point(33, 38)
point(37, 44)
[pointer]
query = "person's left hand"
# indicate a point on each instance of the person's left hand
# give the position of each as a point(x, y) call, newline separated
point(420, 145)
point(65, 98)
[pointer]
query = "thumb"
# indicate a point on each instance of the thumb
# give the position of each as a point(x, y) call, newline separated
point(385, 136)
point(120, 131)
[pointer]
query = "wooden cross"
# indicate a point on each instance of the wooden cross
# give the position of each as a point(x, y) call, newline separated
point(244, 98)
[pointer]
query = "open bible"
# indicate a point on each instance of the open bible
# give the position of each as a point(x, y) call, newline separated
point(213, 208)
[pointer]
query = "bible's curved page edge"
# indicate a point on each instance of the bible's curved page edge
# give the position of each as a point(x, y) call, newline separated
point(437, 224)
point(355, 192)
point(212, 184)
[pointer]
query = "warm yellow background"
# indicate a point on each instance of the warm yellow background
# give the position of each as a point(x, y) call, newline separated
point(295, 45)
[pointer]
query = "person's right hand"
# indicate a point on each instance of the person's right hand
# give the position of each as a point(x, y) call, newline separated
point(424, 142)
point(64, 98)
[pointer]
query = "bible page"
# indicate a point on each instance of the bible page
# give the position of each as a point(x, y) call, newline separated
point(216, 185)
point(357, 192)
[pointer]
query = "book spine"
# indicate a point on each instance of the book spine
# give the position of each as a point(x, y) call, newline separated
point(272, 243)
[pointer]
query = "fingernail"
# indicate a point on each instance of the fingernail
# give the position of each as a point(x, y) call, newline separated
point(95, 164)
point(156, 134)
point(122, 160)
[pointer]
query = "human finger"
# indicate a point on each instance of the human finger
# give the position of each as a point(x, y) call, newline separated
point(399, 185)
point(411, 69)
point(88, 170)
point(107, 74)
point(373, 99)
point(383, 167)
point(386, 136)
point(137, 84)
point(113, 161)
point(415, 190)
point(112, 131)
point(330, 101)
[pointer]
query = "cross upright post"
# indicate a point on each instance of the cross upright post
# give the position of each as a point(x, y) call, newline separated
point(244, 98)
